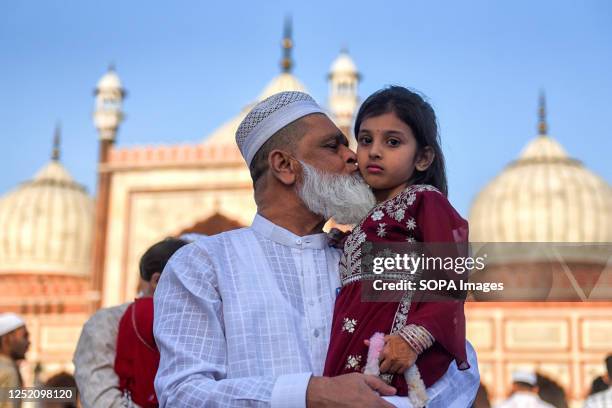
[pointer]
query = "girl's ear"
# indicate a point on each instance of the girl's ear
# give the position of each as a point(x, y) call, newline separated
point(283, 168)
point(424, 158)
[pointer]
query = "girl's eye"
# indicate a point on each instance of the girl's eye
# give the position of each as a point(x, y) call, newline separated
point(364, 140)
point(393, 142)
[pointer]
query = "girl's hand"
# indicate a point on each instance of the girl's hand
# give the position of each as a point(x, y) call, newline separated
point(397, 355)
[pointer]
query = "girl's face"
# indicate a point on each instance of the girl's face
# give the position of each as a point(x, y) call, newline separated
point(388, 154)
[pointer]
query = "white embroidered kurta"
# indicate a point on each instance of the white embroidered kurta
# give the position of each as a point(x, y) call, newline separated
point(243, 318)
point(94, 359)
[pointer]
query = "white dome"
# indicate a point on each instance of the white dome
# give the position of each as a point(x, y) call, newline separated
point(109, 81)
point(226, 133)
point(343, 64)
point(46, 225)
point(283, 82)
point(544, 196)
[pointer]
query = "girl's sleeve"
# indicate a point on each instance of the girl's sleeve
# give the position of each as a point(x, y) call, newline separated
point(438, 222)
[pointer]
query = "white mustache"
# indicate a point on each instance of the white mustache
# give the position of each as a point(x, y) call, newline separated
point(345, 198)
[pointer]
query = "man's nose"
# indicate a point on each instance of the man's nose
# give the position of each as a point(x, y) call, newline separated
point(350, 159)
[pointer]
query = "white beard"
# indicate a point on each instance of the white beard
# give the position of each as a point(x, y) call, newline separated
point(343, 197)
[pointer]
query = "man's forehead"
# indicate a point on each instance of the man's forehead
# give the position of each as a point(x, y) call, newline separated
point(321, 127)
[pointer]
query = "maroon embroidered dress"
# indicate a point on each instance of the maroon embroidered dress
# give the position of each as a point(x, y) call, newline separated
point(420, 213)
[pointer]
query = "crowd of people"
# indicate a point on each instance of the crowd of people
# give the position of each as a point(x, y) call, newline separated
point(272, 315)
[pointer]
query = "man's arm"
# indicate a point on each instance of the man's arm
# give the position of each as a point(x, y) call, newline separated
point(94, 361)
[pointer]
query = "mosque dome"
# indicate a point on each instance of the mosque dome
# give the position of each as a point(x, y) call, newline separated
point(343, 64)
point(46, 225)
point(543, 196)
point(283, 82)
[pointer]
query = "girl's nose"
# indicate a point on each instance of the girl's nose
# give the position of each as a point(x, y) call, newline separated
point(374, 152)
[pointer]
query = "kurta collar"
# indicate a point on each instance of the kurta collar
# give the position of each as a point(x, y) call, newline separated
point(285, 237)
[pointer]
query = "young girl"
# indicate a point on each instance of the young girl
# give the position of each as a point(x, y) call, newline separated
point(399, 156)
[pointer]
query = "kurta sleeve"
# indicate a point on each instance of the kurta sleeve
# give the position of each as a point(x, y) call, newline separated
point(439, 222)
point(189, 329)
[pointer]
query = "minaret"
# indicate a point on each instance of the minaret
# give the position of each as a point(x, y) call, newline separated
point(542, 125)
point(55, 154)
point(107, 117)
point(343, 98)
point(287, 45)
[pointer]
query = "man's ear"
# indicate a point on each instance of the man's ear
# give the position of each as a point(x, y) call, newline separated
point(424, 159)
point(154, 280)
point(283, 167)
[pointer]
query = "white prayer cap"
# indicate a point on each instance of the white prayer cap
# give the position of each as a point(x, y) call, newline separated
point(269, 116)
point(10, 322)
point(524, 376)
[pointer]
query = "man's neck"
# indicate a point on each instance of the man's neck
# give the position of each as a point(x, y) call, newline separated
point(299, 221)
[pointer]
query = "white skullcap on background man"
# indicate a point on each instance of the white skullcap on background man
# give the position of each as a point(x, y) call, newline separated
point(10, 322)
point(269, 116)
point(524, 376)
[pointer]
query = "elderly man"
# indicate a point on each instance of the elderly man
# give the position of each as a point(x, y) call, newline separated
point(243, 318)
point(524, 392)
point(14, 343)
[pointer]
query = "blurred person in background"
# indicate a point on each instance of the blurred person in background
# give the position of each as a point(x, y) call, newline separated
point(14, 343)
point(524, 392)
point(551, 392)
point(137, 357)
point(602, 399)
point(64, 381)
point(599, 384)
point(95, 354)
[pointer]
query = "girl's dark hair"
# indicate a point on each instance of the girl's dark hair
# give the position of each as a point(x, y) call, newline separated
point(411, 109)
point(156, 257)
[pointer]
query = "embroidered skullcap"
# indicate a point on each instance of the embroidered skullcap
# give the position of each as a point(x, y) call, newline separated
point(10, 322)
point(269, 116)
point(527, 377)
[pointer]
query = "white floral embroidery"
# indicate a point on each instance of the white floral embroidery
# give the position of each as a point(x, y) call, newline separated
point(425, 187)
point(380, 231)
point(353, 362)
point(377, 215)
point(411, 240)
point(350, 261)
point(399, 214)
point(387, 378)
point(357, 257)
point(411, 223)
point(349, 325)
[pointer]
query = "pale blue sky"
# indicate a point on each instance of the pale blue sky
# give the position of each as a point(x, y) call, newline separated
point(190, 65)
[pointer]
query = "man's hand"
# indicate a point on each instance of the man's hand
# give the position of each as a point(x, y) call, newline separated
point(397, 355)
point(349, 390)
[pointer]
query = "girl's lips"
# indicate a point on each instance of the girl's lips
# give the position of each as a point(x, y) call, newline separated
point(374, 169)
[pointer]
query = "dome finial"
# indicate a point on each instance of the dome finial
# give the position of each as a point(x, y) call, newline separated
point(112, 67)
point(542, 125)
point(287, 62)
point(55, 155)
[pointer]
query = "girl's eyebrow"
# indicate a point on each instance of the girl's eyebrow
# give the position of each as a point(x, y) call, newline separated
point(389, 132)
point(393, 132)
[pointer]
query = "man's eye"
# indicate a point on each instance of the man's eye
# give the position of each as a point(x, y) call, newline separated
point(332, 145)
